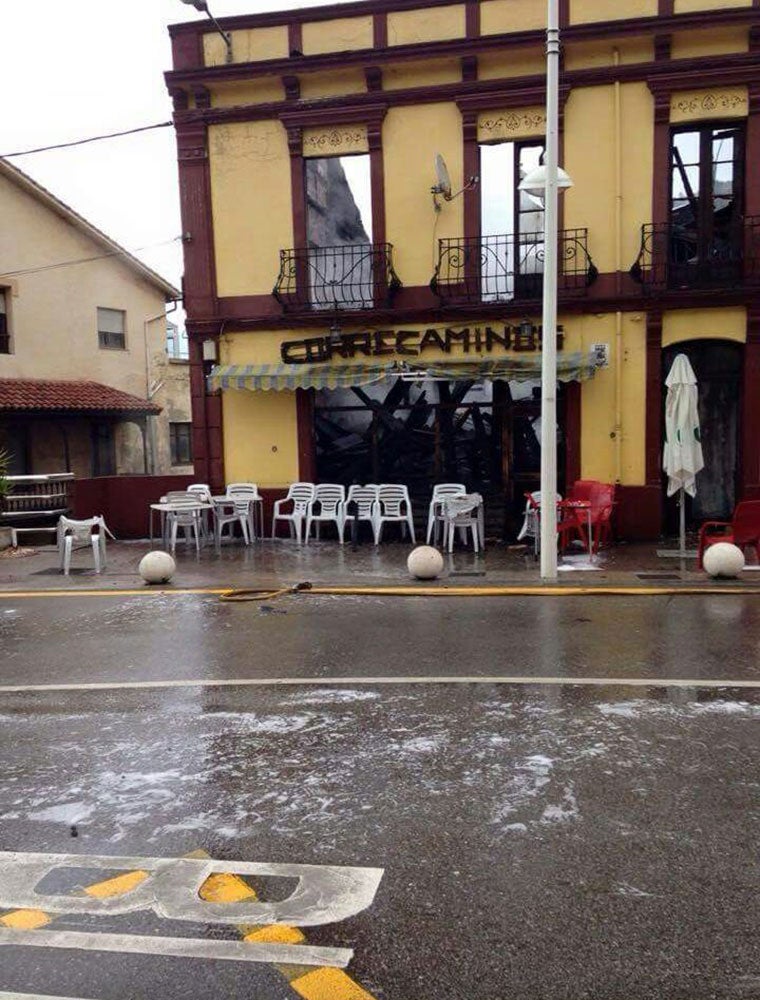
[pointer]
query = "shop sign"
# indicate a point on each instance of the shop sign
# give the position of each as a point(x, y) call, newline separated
point(524, 337)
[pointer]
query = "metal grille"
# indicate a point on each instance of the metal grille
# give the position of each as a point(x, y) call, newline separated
point(674, 256)
point(357, 276)
point(510, 267)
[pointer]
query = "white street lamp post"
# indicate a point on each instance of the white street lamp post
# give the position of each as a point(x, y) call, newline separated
point(548, 180)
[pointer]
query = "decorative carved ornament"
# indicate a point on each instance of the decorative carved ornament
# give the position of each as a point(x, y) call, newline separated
point(337, 141)
point(517, 123)
point(694, 105)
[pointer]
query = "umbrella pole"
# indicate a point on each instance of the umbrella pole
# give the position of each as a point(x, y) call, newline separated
point(682, 518)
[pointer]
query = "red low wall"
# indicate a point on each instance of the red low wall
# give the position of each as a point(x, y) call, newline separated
point(124, 501)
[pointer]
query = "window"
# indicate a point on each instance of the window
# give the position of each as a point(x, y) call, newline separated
point(511, 221)
point(177, 346)
point(180, 441)
point(5, 337)
point(339, 231)
point(111, 329)
point(705, 239)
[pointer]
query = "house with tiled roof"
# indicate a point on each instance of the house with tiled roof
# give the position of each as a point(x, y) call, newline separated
point(86, 383)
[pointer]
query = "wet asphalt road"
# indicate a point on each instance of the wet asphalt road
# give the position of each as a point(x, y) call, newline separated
point(537, 842)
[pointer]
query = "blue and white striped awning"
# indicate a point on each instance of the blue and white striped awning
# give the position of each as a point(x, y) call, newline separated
point(571, 367)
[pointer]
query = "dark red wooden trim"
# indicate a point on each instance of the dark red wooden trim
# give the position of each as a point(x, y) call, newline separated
point(752, 154)
point(199, 281)
point(653, 442)
point(594, 31)
point(749, 466)
point(572, 432)
point(307, 454)
point(638, 514)
point(295, 39)
point(298, 200)
point(292, 87)
point(377, 180)
point(663, 78)
point(564, 15)
point(661, 165)
point(206, 411)
point(472, 19)
point(663, 45)
point(187, 51)
point(665, 8)
point(471, 168)
point(380, 31)
point(374, 78)
point(469, 66)
point(371, 114)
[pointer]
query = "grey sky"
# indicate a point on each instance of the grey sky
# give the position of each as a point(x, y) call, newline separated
point(78, 68)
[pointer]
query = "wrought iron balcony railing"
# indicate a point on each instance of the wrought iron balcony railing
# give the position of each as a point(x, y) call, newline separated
point(354, 276)
point(674, 256)
point(486, 269)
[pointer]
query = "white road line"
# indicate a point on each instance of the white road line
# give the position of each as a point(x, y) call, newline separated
point(33, 996)
point(180, 947)
point(658, 682)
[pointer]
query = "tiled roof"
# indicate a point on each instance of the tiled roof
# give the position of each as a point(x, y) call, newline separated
point(81, 397)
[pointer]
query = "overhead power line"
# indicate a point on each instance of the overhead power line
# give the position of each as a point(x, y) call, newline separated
point(82, 142)
point(87, 260)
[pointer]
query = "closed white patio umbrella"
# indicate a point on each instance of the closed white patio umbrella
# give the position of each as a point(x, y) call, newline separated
point(682, 454)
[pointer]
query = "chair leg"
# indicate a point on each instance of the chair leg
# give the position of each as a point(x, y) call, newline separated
point(173, 537)
point(340, 524)
point(96, 552)
point(451, 532)
point(430, 526)
point(307, 532)
point(67, 543)
point(411, 530)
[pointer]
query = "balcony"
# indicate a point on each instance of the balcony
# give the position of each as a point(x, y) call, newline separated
point(336, 278)
point(486, 269)
point(678, 257)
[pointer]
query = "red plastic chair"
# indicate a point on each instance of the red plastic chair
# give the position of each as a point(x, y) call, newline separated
point(742, 530)
point(601, 496)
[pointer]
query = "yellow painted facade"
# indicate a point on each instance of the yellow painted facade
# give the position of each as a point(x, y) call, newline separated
point(408, 27)
point(337, 35)
point(422, 106)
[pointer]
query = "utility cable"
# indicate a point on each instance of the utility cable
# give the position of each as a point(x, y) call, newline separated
point(82, 142)
point(88, 260)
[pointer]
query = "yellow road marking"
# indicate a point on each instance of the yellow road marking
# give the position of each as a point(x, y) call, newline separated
point(328, 984)
point(323, 983)
point(526, 590)
point(25, 920)
point(117, 886)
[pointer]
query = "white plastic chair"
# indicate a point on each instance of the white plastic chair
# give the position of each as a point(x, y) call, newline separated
point(235, 510)
point(440, 490)
point(463, 512)
point(531, 523)
point(203, 492)
point(300, 496)
point(358, 506)
point(189, 520)
point(392, 506)
point(256, 505)
point(90, 531)
point(331, 498)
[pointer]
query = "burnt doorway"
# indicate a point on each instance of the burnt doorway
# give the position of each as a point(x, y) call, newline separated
point(481, 433)
point(717, 365)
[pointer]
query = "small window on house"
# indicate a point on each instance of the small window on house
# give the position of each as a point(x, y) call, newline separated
point(180, 443)
point(112, 329)
point(5, 336)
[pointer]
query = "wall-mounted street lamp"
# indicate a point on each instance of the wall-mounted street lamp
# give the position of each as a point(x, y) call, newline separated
point(547, 181)
point(202, 6)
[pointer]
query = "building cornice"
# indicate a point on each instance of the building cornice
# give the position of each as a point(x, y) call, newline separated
point(459, 47)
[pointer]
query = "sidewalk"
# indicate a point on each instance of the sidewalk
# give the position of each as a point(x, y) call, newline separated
point(282, 563)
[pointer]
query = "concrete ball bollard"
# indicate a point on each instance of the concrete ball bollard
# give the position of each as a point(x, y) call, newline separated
point(723, 559)
point(425, 562)
point(157, 567)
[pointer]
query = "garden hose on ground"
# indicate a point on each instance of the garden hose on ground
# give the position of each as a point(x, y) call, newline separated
point(253, 594)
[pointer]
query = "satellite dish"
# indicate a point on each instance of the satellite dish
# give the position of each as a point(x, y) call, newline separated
point(443, 181)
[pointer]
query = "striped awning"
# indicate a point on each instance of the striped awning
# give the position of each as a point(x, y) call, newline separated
point(571, 367)
point(575, 367)
point(262, 378)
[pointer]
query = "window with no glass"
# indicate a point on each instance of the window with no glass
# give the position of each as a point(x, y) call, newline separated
point(112, 329)
point(511, 221)
point(180, 443)
point(706, 203)
point(339, 231)
point(5, 337)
